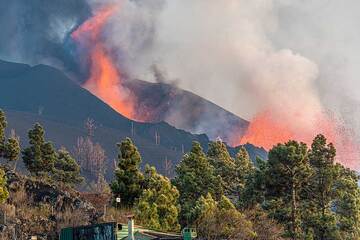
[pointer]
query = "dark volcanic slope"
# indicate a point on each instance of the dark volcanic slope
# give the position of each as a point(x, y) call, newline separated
point(44, 94)
point(185, 110)
point(46, 91)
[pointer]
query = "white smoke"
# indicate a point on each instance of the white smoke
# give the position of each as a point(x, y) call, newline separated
point(221, 50)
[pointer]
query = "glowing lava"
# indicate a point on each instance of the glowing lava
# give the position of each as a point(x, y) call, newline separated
point(105, 79)
point(266, 131)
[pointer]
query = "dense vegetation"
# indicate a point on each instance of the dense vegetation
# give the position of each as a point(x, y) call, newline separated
point(300, 192)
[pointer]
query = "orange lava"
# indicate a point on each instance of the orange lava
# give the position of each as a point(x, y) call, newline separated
point(266, 131)
point(93, 27)
point(105, 79)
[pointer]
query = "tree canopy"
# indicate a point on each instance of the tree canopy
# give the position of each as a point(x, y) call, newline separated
point(158, 206)
point(195, 178)
point(40, 157)
point(9, 147)
point(129, 180)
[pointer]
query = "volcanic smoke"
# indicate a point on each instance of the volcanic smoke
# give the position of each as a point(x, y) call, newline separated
point(105, 79)
point(279, 83)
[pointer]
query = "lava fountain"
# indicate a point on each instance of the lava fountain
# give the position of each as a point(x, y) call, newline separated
point(266, 130)
point(105, 78)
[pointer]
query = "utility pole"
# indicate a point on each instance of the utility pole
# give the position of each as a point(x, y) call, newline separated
point(132, 129)
point(157, 138)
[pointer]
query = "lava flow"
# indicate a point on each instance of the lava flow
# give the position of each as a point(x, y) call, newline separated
point(266, 131)
point(105, 79)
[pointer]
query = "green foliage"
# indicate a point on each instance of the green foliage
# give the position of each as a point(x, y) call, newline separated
point(244, 176)
point(223, 164)
point(158, 204)
point(244, 166)
point(4, 194)
point(221, 220)
point(347, 203)
point(40, 156)
point(128, 183)
point(9, 148)
point(12, 149)
point(66, 170)
point(195, 178)
point(287, 174)
point(332, 200)
point(319, 217)
point(253, 192)
point(3, 125)
point(311, 195)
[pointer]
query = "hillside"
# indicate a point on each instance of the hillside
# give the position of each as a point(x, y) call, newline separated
point(46, 95)
point(185, 110)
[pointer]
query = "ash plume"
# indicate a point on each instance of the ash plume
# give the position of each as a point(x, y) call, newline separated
point(38, 31)
point(251, 57)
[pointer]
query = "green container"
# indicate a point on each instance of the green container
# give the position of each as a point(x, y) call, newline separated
point(66, 234)
point(189, 233)
point(104, 231)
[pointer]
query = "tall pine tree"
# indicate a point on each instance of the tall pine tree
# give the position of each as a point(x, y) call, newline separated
point(40, 156)
point(253, 192)
point(158, 206)
point(66, 170)
point(9, 148)
point(224, 165)
point(195, 178)
point(128, 183)
point(333, 199)
point(287, 174)
point(244, 171)
point(318, 213)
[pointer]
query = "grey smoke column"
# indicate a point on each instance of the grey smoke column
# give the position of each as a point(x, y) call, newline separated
point(37, 31)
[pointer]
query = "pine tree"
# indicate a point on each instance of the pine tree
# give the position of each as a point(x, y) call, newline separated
point(195, 178)
point(12, 149)
point(244, 170)
point(66, 169)
point(4, 194)
point(333, 199)
point(3, 124)
point(128, 183)
point(318, 215)
point(224, 165)
point(158, 204)
point(347, 203)
point(40, 156)
point(9, 148)
point(253, 193)
point(287, 174)
point(221, 220)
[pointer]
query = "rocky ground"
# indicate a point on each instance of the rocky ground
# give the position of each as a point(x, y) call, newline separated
point(38, 208)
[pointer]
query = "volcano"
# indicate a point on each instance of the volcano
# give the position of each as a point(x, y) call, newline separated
point(164, 102)
point(144, 101)
point(46, 95)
